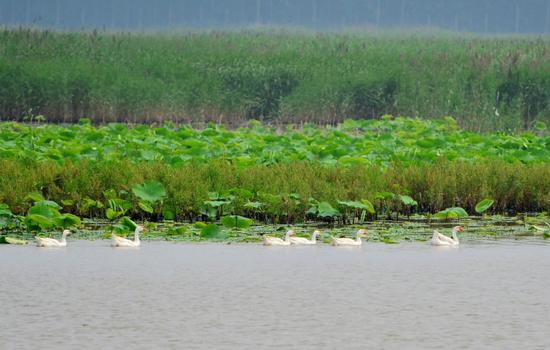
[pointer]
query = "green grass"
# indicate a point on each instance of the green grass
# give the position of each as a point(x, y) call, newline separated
point(283, 189)
point(486, 83)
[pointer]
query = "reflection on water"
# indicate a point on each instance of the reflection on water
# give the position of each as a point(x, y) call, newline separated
point(482, 295)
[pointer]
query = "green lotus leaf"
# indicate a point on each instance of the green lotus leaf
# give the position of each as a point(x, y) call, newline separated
point(151, 191)
point(67, 220)
point(484, 205)
point(213, 231)
point(235, 221)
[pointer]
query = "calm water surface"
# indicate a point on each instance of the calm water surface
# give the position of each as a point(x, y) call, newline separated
point(90, 296)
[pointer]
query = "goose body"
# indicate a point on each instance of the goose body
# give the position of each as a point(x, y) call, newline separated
point(439, 239)
point(348, 241)
point(117, 241)
point(270, 240)
point(305, 241)
point(51, 242)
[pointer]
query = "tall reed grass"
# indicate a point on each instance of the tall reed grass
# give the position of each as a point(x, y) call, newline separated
point(486, 83)
point(515, 187)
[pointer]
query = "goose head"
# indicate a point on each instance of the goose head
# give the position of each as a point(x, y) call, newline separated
point(66, 232)
point(290, 233)
point(316, 233)
point(458, 229)
point(362, 233)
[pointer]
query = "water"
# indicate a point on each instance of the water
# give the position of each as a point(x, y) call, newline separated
point(90, 296)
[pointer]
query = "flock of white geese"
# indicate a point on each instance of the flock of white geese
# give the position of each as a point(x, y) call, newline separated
point(438, 239)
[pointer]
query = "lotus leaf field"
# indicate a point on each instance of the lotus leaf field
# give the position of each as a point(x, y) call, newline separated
point(354, 142)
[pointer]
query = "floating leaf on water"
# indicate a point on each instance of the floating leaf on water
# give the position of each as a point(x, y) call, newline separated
point(11, 240)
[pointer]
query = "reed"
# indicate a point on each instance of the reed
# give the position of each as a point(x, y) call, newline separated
point(285, 189)
point(486, 83)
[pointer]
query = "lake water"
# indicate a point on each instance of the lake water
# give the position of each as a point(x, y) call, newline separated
point(493, 295)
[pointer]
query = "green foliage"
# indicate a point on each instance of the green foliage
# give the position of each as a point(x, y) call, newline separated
point(150, 191)
point(452, 213)
point(66, 221)
point(325, 210)
point(270, 175)
point(44, 215)
point(213, 232)
point(124, 225)
point(7, 218)
point(146, 207)
point(407, 200)
point(496, 82)
point(482, 206)
point(236, 221)
point(352, 143)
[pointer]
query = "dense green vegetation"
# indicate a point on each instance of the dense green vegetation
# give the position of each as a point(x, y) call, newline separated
point(486, 83)
point(354, 142)
point(351, 172)
point(279, 192)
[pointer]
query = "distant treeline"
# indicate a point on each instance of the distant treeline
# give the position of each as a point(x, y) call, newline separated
point(482, 16)
point(485, 83)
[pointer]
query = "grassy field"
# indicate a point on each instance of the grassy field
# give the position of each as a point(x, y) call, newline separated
point(379, 168)
point(486, 83)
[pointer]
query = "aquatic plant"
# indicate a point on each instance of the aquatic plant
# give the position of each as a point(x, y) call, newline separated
point(213, 232)
point(483, 205)
point(236, 221)
point(45, 215)
point(451, 213)
point(353, 143)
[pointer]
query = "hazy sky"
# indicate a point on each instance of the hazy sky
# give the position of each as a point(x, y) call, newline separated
point(484, 16)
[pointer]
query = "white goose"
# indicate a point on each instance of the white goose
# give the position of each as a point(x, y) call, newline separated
point(305, 241)
point(442, 240)
point(348, 241)
point(50, 242)
point(117, 241)
point(270, 240)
